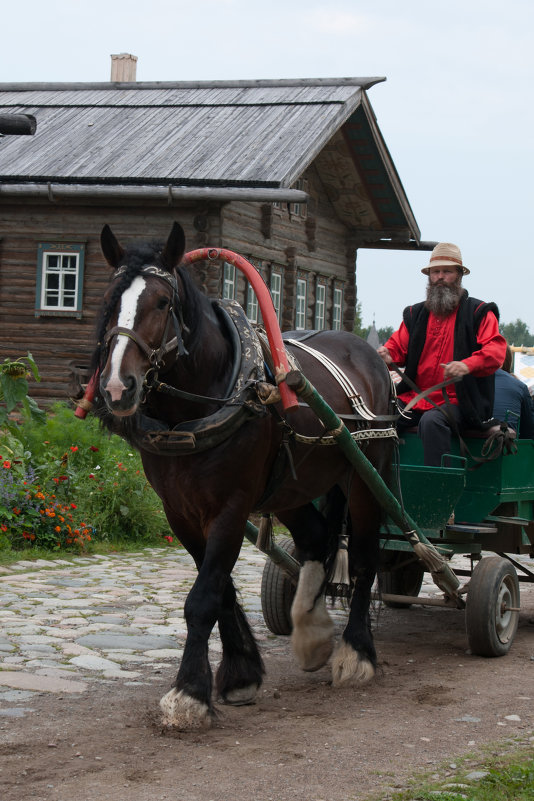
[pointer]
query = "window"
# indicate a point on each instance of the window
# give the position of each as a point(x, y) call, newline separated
point(252, 305)
point(229, 286)
point(320, 304)
point(276, 293)
point(300, 315)
point(337, 310)
point(60, 268)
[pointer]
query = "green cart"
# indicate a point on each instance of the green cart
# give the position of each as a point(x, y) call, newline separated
point(481, 510)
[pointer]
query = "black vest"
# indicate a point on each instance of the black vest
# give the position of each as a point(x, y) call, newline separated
point(475, 395)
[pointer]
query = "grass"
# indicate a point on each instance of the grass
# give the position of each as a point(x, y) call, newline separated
point(501, 773)
point(103, 548)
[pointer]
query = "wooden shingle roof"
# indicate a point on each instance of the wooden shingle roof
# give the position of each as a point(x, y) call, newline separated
point(233, 134)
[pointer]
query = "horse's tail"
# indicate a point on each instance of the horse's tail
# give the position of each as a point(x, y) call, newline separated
point(336, 565)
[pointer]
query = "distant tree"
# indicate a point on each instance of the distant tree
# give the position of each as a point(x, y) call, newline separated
point(363, 332)
point(385, 333)
point(358, 329)
point(517, 333)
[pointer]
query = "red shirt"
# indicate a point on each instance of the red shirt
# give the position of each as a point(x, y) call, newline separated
point(439, 348)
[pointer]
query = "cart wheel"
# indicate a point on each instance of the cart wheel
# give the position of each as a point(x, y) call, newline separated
point(277, 593)
point(492, 594)
point(404, 580)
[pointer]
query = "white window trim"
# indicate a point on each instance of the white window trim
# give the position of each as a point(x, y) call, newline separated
point(61, 251)
point(320, 306)
point(252, 305)
point(276, 292)
point(337, 309)
point(300, 304)
point(229, 281)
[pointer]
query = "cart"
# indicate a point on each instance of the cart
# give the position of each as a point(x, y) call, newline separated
point(493, 505)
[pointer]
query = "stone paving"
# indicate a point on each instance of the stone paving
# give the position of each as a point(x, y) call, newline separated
point(66, 624)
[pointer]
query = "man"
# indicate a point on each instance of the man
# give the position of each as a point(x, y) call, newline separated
point(449, 336)
point(512, 402)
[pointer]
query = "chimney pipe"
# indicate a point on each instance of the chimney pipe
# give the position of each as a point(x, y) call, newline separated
point(123, 67)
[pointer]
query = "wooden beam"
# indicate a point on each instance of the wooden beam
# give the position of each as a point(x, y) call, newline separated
point(18, 124)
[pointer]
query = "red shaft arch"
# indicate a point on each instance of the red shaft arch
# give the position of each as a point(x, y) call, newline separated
point(278, 351)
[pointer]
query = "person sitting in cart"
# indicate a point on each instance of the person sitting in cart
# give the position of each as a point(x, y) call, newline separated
point(513, 403)
point(448, 337)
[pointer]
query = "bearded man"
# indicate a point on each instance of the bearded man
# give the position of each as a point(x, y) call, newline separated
point(448, 336)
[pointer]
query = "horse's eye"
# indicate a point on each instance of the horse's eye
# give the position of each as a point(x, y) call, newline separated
point(163, 303)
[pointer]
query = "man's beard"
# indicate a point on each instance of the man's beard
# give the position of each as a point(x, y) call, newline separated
point(442, 299)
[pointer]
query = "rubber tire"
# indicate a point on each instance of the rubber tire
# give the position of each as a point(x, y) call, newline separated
point(405, 581)
point(277, 593)
point(490, 632)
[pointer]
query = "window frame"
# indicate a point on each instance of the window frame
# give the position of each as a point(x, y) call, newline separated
point(300, 304)
point(337, 319)
point(252, 305)
point(320, 307)
point(61, 249)
point(229, 281)
point(276, 294)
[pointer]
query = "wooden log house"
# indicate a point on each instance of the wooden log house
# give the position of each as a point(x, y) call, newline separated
point(292, 174)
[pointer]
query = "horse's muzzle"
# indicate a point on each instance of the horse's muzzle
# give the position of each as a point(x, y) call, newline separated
point(121, 396)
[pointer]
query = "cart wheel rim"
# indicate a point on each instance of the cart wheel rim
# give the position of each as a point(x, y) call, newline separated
point(504, 617)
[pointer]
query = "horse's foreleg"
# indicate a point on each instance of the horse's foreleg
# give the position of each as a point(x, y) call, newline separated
point(355, 658)
point(241, 670)
point(313, 630)
point(188, 705)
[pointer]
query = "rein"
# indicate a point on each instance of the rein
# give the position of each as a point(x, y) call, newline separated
point(502, 438)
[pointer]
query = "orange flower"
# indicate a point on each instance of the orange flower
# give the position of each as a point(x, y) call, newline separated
point(57, 529)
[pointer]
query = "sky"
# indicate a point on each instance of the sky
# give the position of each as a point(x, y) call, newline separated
point(456, 111)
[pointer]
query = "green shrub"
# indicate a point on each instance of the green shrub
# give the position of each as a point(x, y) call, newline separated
point(64, 483)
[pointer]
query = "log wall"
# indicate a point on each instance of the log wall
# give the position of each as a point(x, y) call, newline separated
point(311, 246)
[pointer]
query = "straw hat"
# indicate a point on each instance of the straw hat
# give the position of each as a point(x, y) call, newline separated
point(444, 255)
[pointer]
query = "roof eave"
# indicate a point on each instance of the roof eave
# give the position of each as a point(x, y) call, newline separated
point(169, 193)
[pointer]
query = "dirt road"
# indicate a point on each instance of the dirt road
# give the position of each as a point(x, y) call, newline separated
point(302, 741)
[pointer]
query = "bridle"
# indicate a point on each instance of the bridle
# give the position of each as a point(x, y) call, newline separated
point(174, 319)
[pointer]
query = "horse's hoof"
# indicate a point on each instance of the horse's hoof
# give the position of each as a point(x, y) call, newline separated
point(348, 667)
point(183, 712)
point(243, 696)
point(313, 646)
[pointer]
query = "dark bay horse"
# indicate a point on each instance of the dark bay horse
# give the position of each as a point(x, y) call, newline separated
point(166, 356)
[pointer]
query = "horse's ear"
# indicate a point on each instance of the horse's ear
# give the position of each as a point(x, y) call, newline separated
point(174, 248)
point(111, 249)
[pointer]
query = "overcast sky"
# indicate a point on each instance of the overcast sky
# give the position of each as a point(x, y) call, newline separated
point(456, 111)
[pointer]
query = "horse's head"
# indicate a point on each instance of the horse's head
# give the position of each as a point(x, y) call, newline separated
point(142, 317)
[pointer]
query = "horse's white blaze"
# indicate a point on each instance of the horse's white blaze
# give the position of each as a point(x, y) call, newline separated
point(183, 712)
point(349, 667)
point(313, 630)
point(127, 312)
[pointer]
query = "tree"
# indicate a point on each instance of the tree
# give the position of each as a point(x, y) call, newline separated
point(383, 333)
point(358, 329)
point(517, 333)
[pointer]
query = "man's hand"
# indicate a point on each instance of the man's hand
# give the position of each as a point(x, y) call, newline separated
point(454, 369)
point(384, 354)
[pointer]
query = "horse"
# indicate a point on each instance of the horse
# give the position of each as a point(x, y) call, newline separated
point(214, 454)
